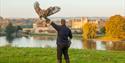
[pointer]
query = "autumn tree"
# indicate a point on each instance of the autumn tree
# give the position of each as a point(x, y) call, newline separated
point(115, 26)
point(89, 30)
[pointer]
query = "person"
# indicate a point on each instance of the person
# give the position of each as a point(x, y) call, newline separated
point(64, 35)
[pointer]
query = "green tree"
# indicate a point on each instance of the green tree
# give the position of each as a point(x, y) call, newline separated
point(115, 26)
point(89, 30)
point(102, 30)
point(9, 30)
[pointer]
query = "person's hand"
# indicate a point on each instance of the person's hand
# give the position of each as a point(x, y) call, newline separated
point(47, 21)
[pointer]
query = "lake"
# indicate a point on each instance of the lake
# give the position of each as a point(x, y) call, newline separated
point(49, 41)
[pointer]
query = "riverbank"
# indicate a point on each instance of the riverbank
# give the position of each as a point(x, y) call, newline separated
point(109, 38)
point(75, 36)
point(48, 55)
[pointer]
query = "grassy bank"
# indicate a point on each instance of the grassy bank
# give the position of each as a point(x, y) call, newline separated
point(109, 38)
point(48, 55)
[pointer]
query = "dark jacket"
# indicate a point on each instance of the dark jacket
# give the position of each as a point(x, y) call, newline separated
point(63, 34)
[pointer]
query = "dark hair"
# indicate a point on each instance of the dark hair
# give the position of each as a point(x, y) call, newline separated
point(63, 20)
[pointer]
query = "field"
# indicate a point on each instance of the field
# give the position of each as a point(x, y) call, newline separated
point(48, 55)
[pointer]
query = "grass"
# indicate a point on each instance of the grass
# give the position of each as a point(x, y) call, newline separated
point(48, 55)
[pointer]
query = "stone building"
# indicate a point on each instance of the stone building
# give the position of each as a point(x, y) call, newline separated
point(40, 26)
point(77, 24)
point(3, 22)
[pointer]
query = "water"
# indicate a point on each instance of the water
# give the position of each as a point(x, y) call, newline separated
point(46, 41)
point(37, 41)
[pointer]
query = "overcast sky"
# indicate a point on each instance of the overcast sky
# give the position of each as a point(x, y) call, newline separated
point(69, 8)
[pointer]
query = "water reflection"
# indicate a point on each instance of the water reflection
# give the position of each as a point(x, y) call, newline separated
point(118, 45)
point(104, 45)
point(9, 38)
point(38, 41)
point(50, 41)
point(3, 41)
point(88, 44)
point(44, 38)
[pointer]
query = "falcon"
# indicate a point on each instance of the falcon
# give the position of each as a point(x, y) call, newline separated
point(42, 13)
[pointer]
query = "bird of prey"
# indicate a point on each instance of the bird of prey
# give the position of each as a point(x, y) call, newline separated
point(42, 13)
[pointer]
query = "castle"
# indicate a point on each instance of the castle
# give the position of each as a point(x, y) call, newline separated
point(75, 24)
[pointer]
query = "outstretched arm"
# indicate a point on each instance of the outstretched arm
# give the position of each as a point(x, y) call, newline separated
point(57, 27)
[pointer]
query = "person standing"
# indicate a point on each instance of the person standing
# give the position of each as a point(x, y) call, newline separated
point(64, 35)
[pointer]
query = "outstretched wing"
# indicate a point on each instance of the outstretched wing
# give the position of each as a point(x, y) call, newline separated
point(38, 10)
point(53, 10)
point(45, 13)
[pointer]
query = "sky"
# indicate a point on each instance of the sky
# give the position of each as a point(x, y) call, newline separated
point(69, 8)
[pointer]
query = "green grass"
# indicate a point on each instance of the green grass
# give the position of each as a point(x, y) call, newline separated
point(48, 55)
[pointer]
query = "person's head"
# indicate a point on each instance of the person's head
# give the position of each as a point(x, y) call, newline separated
point(63, 22)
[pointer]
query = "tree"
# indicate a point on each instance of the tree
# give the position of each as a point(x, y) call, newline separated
point(115, 26)
point(0, 28)
point(19, 31)
point(89, 30)
point(102, 30)
point(9, 30)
